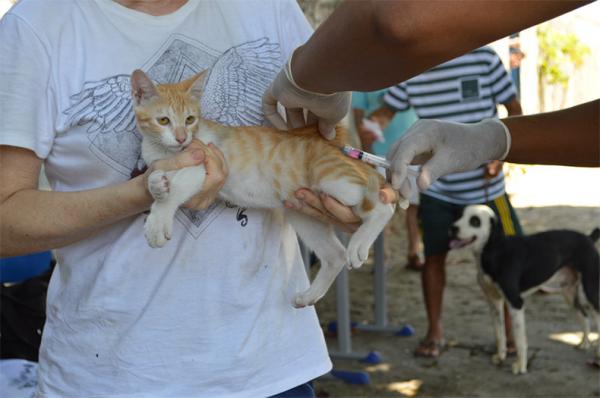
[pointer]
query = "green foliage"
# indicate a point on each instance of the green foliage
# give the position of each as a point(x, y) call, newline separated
point(560, 54)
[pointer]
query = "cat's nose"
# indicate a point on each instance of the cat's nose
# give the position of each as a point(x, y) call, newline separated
point(181, 139)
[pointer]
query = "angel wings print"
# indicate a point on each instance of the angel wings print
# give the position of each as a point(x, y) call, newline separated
point(232, 96)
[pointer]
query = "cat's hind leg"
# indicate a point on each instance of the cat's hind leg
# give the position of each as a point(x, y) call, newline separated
point(374, 221)
point(321, 238)
point(181, 185)
point(365, 202)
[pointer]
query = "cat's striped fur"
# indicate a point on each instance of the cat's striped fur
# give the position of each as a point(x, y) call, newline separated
point(266, 167)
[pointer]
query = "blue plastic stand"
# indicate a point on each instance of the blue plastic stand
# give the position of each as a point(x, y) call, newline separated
point(351, 377)
point(372, 358)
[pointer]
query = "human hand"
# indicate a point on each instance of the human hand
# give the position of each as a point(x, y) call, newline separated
point(382, 116)
point(329, 210)
point(216, 175)
point(493, 168)
point(194, 154)
point(325, 109)
point(366, 136)
point(445, 147)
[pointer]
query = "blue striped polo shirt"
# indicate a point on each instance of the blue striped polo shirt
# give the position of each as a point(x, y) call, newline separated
point(465, 90)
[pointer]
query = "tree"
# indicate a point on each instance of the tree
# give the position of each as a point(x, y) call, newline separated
point(560, 55)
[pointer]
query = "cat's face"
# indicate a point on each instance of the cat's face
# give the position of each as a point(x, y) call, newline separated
point(167, 114)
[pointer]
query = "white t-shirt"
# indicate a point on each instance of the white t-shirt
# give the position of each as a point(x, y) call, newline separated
point(209, 314)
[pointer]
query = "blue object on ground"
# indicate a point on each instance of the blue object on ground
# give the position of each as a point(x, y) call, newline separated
point(351, 377)
point(332, 326)
point(372, 358)
point(406, 331)
point(19, 268)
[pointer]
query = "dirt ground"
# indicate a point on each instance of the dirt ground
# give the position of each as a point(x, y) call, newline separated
point(556, 368)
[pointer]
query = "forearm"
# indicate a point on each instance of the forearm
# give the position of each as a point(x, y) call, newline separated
point(380, 43)
point(570, 137)
point(34, 220)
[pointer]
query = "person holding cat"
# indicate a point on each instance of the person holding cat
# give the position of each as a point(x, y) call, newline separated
point(209, 314)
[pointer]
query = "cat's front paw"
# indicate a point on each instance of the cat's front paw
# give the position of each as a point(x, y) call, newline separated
point(158, 185)
point(158, 229)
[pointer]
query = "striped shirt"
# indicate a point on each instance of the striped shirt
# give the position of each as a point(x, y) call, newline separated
point(465, 90)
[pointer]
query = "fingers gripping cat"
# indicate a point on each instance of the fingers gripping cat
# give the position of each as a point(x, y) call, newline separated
point(266, 166)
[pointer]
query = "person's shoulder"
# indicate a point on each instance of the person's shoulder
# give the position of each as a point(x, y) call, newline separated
point(485, 51)
point(43, 14)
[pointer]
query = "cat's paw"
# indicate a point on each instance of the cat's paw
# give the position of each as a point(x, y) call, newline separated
point(158, 185)
point(158, 229)
point(357, 252)
point(303, 299)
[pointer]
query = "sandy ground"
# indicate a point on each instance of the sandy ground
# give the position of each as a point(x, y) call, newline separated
point(556, 368)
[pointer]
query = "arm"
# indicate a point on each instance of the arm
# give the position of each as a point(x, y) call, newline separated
point(513, 107)
point(400, 39)
point(34, 220)
point(569, 137)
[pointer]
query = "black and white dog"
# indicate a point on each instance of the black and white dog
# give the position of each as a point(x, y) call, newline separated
point(511, 268)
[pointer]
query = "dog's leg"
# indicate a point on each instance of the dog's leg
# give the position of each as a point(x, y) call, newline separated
point(497, 309)
point(571, 293)
point(518, 327)
point(321, 238)
point(596, 318)
point(496, 304)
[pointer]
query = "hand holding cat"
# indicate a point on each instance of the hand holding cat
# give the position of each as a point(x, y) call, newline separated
point(197, 153)
point(327, 209)
point(325, 109)
point(445, 147)
point(216, 174)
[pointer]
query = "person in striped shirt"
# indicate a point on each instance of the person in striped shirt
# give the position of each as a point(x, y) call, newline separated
point(466, 89)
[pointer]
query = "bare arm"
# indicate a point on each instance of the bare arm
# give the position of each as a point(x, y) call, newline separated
point(513, 107)
point(400, 39)
point(34, 220)
point(569, 137)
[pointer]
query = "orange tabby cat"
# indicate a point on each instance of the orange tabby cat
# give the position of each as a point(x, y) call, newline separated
point(266, 166)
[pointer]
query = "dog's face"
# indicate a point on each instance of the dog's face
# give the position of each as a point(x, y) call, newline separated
point(473, 228)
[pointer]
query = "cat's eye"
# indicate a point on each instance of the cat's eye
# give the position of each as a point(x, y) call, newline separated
point(163, 121)
point(190, 119)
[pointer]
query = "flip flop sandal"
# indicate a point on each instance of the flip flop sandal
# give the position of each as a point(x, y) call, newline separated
point(430, 348)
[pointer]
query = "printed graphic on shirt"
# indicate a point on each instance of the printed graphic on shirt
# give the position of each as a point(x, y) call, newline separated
point(469, 88)
point(232, 96)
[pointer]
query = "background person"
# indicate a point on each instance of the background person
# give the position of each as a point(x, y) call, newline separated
point(466, 90)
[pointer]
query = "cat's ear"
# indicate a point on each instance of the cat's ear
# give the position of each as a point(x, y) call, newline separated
point(142, 88)
point(197, 84)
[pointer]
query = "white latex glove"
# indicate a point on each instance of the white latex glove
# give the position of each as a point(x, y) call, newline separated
point(445, 147)
point(326, 109)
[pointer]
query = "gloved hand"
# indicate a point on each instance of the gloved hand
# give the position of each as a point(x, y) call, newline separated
point(446, 147)
point(326, 109)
